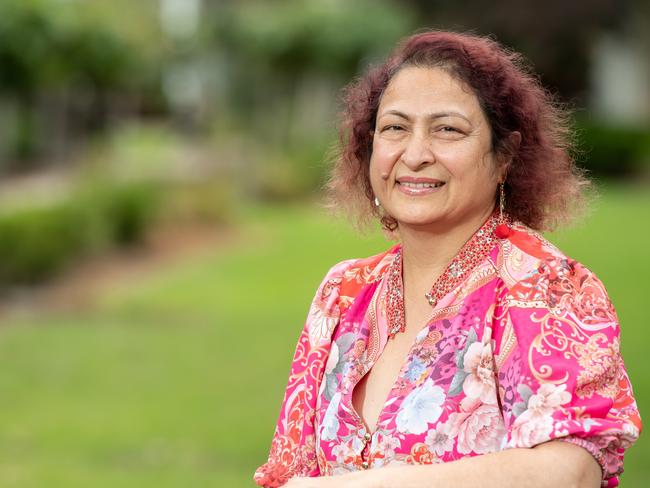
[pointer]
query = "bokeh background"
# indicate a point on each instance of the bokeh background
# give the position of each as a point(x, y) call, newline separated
point(161, 222)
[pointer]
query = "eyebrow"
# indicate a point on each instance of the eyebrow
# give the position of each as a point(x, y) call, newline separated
point(432, 116)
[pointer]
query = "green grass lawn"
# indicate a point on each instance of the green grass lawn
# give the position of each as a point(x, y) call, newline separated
point(175, 380)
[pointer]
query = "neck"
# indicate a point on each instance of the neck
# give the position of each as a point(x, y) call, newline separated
point(427, 251)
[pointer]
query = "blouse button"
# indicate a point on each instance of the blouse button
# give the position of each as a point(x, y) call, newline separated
point(364, 465)
point(367, 437)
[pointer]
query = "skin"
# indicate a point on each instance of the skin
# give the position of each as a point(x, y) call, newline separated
point(431, 126)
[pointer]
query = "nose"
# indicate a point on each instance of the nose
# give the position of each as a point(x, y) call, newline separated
point(417, 152)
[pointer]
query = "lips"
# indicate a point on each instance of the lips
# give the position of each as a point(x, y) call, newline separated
point(408, 184)
point(418, 187)
point(419, 183)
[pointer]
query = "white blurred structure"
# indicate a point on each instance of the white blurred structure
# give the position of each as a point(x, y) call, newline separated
point(620, 87)
point(180, 18)
point(184, 79)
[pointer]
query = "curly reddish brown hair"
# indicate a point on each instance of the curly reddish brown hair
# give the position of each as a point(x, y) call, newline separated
point(543, 185)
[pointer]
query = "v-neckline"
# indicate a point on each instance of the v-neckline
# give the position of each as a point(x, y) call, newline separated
point(406, 360)
point(470, 255)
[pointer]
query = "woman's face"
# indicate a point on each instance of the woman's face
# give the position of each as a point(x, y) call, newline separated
point(431, 162)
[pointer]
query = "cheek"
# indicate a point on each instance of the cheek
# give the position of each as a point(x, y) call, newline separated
point(376, 171)
point(465, 163)
point(383, 158)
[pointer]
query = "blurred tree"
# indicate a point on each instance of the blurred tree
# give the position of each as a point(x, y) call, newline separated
point(70, 68)
point(66, 64)
point(272, 48)
point(27, 60)
point(284, 63)
point(556, 36)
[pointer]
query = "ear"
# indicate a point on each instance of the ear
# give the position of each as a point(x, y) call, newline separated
point(505, 159)
point(502, 166)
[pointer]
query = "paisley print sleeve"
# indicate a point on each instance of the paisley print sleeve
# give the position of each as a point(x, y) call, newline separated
point(293, 450)
point(560, 371)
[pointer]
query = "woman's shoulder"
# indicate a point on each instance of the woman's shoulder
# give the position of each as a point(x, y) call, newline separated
point(338, 290)
point(537, 274)
point(347, 278)
point(524, 250)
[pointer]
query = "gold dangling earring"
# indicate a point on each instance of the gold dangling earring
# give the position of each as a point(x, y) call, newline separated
point(503, 230)
point(502, 201)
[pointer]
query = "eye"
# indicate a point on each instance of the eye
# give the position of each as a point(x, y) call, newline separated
point(392, 127)
point(449, 132)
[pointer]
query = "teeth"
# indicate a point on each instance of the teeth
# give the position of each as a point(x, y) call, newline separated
point(421, 185)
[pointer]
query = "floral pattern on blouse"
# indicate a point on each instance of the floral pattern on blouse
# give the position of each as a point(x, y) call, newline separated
point(523, 350)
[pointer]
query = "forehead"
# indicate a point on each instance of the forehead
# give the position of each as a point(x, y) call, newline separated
point(424, 89)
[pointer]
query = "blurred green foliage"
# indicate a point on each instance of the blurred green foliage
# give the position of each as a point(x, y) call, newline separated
point(272, 53)
point(610, 151)
point(37, 242)
point(49, 43)
point(284, 65)
point(67, 48)
point(209, 201)
point(40, 241)
point(127, 210)
point(271, 71)
point(289, 38)
point(131, 182)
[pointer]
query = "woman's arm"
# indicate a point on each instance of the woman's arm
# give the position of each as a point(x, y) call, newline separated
point(552, 464)
point(293, 447)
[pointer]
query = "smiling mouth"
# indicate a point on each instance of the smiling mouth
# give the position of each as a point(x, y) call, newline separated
point(408, 184)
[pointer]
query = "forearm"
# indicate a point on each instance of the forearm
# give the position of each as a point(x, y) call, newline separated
point(549, 465)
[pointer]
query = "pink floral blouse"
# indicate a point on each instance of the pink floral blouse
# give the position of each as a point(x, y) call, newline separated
point(522, 347)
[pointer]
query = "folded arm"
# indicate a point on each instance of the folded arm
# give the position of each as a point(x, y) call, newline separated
point(551, 464)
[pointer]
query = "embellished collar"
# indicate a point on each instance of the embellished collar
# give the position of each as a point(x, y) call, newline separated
point(469, 256)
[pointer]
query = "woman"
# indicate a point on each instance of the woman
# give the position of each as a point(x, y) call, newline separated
point(473, 353)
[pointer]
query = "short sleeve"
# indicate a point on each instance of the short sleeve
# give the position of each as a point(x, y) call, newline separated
point(293, 450)
point(559, 367)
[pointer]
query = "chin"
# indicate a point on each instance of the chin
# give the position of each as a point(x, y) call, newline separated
point(418, 219)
